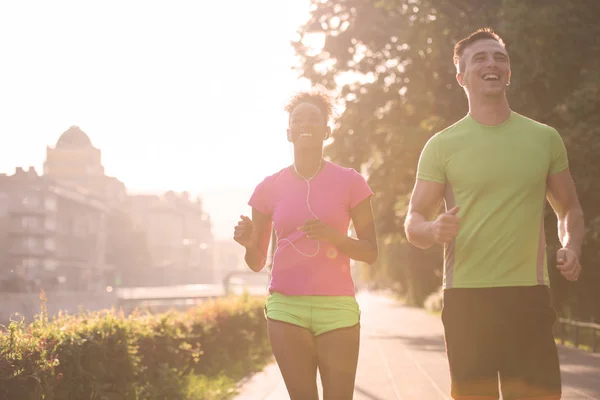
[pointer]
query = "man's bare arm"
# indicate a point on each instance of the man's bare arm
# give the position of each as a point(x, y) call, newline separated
point(562, 196)
point(424, 203)
point(563, 199)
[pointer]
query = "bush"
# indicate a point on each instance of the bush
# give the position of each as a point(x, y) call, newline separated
point(196, 354)
point(435, 301)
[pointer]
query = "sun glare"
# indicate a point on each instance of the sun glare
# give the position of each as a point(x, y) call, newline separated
point(181, 95)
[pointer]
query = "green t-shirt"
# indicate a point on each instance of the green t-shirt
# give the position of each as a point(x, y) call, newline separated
point(497, 175)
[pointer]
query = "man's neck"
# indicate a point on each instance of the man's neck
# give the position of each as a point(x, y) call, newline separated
point(490, 111)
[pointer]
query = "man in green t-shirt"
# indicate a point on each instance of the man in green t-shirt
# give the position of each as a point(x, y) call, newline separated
point(494, 170)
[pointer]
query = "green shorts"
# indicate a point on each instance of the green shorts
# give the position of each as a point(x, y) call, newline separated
point(318, 314)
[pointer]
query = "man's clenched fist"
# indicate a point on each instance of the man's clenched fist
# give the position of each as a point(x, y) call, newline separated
point(568, 264)
point(445, 228)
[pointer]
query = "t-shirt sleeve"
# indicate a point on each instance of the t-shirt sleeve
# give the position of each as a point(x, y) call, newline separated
point(559, 160)
point(431, 166)
point(360, 189)
point(262, 199)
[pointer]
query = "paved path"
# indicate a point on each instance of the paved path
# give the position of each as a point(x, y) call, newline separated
point(402, 357)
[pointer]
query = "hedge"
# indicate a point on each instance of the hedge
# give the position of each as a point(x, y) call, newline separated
point(196, 354)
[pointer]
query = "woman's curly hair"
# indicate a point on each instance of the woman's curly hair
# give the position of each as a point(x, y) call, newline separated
point(319, 99)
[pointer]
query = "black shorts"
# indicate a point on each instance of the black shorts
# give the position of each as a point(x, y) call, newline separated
point(501, 333)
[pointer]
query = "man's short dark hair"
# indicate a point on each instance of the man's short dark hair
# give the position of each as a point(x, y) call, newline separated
point(479, 34)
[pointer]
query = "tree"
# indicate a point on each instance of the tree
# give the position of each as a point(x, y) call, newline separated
point(389, 62)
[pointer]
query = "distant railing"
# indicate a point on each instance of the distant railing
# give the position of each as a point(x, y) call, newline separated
point(160, 297)
point(578, 331)
point(228, 281)
point(163, 296)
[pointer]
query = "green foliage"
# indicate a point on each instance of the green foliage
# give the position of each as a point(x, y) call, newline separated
point(389, 62)
point(197, 354)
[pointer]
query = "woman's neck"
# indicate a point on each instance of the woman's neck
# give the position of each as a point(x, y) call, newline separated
point(307, 163)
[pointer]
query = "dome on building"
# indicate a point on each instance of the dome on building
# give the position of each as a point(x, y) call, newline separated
point(74, 137)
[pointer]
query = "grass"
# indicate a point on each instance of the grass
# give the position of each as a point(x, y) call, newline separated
point(585, 338)
point(215, 388)
point(570, 343)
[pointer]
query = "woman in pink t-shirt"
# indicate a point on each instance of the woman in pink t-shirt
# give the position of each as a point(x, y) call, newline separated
point(313, 318)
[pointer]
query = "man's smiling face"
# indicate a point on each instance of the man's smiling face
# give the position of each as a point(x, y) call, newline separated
point(485, 68)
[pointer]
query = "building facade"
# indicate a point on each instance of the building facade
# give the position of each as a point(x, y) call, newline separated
point(179, 237)
point(74, 228)
point(52, 236)
point(75, 160)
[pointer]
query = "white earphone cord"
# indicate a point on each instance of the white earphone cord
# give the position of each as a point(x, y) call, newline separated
point(309, 209)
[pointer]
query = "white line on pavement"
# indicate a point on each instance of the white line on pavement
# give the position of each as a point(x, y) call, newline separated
point(388, 370)
point(429, 378)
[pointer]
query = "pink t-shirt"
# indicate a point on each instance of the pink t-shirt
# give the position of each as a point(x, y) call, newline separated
point(333, 193)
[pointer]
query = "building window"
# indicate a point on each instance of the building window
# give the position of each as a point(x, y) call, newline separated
point(50, 224)
point(30, 201)
point(29, 222)
point(50, 265)
point(50, 244)
point(50, 203)
point(79, 227)
point(31, 244)
point(3, 204)
point(92, 225)
point(31, 262)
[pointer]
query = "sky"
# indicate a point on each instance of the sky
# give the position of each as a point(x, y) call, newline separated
point(178, 95)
